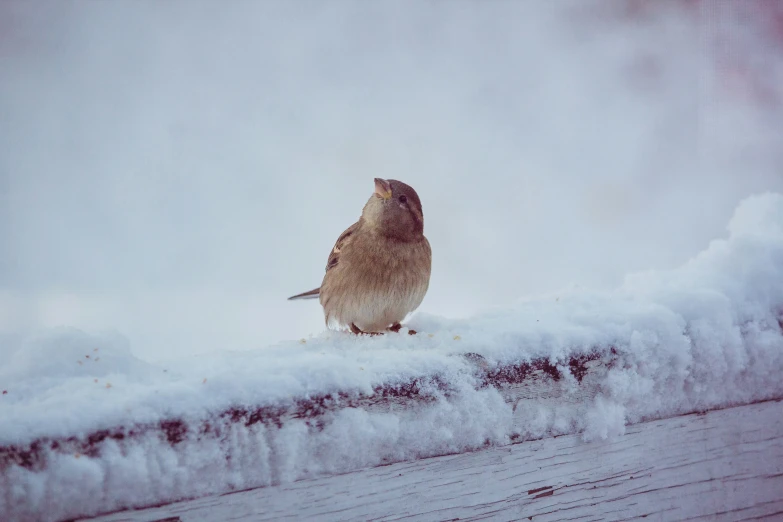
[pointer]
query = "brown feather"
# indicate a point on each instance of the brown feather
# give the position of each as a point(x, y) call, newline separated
point(312, 294)
point(340, 244)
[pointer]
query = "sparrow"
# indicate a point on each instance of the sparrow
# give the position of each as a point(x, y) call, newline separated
point(379, 269)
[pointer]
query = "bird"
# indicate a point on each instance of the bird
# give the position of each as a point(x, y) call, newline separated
point(379, 269)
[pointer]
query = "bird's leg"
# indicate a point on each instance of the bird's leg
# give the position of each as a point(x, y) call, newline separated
point(396, 328)
point(355, 330)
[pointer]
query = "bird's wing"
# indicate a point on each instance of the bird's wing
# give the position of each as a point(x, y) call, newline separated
point(342, 241)
point(334, 257)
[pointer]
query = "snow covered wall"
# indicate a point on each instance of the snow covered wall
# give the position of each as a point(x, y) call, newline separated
point(86, 428)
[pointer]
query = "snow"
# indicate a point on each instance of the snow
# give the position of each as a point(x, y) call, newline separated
point(702, 336)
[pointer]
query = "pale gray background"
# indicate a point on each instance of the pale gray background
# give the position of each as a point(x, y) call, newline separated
point(174, 170)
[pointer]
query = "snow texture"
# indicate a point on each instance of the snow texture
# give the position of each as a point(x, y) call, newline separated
point(705, 335)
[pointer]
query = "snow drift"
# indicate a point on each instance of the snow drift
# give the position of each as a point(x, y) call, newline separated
point(86, 428)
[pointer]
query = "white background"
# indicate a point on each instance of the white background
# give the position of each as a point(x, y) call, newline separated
point(175, 170)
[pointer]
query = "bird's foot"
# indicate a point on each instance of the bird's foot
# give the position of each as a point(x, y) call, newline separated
point(393, 328)
point(396, 328)
point(355, 329)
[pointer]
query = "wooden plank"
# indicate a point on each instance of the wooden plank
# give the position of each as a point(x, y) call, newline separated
point(721, 465)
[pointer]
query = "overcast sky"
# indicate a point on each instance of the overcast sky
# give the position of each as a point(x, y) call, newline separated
point(175, 170)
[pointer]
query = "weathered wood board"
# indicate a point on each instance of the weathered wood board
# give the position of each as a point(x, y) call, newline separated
point(721, 465)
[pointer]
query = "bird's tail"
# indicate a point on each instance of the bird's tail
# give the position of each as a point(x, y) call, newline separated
point(312, 294)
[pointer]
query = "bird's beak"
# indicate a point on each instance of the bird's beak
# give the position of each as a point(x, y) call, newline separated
point(383, 188)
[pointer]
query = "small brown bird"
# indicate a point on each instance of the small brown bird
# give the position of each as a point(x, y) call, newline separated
point(379, 269)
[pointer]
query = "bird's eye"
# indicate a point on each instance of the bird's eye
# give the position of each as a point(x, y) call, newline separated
point(403, 199)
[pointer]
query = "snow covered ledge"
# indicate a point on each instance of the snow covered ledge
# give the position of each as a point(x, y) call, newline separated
point(85, 428)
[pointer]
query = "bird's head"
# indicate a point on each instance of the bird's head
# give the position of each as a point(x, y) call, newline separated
point(395, 210)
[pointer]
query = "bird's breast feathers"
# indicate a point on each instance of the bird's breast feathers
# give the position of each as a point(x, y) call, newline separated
point(376, 284)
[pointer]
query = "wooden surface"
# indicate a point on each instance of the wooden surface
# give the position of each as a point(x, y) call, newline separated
point(722, 465)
